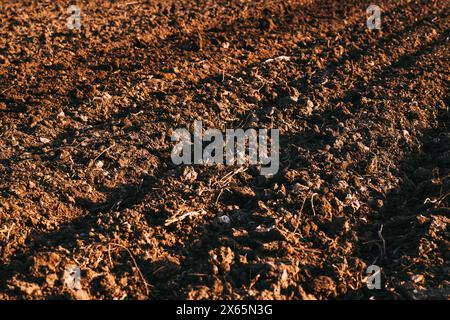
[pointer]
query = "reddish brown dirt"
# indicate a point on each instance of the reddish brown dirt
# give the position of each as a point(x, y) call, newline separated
point(86, 177)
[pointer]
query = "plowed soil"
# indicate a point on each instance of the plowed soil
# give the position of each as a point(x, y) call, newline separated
point(86, 177)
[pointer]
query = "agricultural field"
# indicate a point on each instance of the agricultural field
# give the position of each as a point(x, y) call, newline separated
point(93, 205)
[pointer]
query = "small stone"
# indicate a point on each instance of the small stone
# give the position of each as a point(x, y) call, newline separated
point(44, 140)
point(214, 269)
point(362, 147)
point(224, 219)
point(417, 278)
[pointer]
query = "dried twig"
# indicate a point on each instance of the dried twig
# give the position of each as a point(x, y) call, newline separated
point(312, 203)
point(101, 153)
point(8, 231)
point(135, 264)
point(383, 251)
point(280, 58)
point(177, 217)
point(227, 178)
point(301, 212)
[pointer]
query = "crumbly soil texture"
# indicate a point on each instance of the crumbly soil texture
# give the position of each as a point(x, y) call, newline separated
point(88, 187)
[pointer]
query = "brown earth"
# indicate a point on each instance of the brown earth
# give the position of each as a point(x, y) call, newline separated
point(86, 177)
